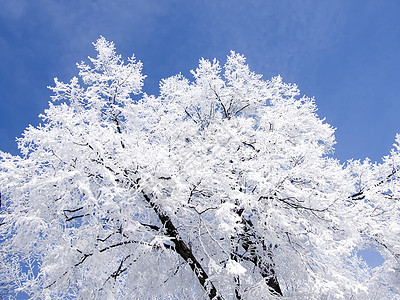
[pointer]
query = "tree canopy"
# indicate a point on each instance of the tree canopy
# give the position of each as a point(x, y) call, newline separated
point(220, 187)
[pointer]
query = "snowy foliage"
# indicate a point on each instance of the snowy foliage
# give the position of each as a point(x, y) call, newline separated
point(222, 187)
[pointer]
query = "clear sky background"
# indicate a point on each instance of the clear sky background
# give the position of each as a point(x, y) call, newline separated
point(344, 53)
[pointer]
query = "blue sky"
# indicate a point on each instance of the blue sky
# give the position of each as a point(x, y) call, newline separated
point(345, 53)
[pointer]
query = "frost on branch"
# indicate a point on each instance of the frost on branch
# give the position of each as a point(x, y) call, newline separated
point(221, 187)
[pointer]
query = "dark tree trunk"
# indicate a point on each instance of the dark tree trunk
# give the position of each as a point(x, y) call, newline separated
point(248, 239)
point(184, 251)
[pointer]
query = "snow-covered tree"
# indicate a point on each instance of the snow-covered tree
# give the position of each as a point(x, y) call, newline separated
point(223, 187)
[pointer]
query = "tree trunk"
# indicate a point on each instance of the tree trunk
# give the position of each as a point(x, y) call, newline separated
point(184, 251)
point(267, 271)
